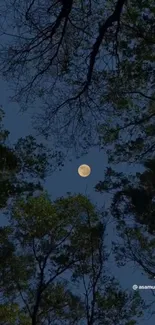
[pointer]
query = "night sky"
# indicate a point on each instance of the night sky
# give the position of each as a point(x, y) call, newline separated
point(68, 180)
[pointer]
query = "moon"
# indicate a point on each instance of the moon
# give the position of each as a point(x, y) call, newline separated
point(84, 170)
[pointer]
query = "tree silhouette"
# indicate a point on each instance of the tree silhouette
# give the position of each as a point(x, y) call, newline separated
point(133, 209)
point(56, 268)
point(87, 64)
point(23, 166)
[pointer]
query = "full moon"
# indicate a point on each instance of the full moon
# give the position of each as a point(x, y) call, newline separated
point(84, 170)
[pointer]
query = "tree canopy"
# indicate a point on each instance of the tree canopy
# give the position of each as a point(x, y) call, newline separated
point(90, 69)
point(54, 268)
point(133, 209)
point(89, 64)
point(53, 254)
point(24, 165)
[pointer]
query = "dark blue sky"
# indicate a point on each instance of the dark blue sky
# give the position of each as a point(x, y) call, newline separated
point(68, 180)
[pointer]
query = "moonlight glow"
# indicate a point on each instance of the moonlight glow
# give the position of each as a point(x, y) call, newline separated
point(84, 170)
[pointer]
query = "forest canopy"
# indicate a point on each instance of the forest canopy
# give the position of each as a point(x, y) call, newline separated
point(88, 68)
point(88, 65)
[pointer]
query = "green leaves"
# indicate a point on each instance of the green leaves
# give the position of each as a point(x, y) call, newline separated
point(53, 248)
point(10, 314)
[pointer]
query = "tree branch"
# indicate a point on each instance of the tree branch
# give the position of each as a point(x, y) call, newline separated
point(115, 17)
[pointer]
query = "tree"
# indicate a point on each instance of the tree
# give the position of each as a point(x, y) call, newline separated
point(56, 271)
point(132, 141)
point(133, 209)
point(91, 66)
point(23, 166)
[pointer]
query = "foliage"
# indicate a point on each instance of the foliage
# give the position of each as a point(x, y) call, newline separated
point(10, 315)
point(133, 209)
point(21, 162)
point(92, 68)
point(56, 270)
